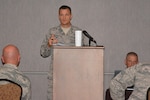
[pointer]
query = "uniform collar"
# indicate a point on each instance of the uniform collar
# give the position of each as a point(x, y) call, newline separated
point(11, 66)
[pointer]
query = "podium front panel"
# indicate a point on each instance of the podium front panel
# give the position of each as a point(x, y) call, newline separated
point(78, 73)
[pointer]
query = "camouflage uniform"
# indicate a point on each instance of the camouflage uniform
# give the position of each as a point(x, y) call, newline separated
point(138, 75)
point(46, 51)
point(10, 72)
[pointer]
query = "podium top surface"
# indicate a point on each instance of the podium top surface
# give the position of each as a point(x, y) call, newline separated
point(75, 47)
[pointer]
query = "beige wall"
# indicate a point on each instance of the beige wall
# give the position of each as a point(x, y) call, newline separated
point(120, 25)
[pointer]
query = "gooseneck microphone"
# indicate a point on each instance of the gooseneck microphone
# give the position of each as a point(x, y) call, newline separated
point(89, 36)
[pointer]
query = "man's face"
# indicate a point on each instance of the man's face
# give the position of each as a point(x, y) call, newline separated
point(65, 17)
point(131, 60)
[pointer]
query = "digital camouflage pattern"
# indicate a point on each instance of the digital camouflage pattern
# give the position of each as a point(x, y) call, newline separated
point(10, 72)
point(137, 75)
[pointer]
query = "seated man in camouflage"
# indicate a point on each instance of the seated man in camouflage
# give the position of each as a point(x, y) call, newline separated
point(137, 75)
point(9, 71)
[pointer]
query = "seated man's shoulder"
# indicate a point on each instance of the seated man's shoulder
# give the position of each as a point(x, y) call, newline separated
point(116, 72)
point(21, 77)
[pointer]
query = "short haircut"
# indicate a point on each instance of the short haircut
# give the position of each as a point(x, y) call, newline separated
point(65, 7)
point(132, 53)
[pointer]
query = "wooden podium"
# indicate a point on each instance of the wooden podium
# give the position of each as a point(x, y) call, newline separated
point(77, 73)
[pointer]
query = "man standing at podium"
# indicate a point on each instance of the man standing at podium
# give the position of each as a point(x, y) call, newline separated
point(64, 34)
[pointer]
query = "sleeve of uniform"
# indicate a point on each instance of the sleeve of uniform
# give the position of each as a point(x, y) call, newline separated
point(119, 83)
point(27, 90)
point(29, 93)
point(45, 50)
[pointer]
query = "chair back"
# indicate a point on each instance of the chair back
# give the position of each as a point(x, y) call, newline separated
point(10, 90)
point(148, 94)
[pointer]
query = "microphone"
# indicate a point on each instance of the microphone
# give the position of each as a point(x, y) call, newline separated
point(89, 36)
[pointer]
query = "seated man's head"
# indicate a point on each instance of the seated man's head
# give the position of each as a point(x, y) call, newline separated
point(10, 55)
point(131, 59)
